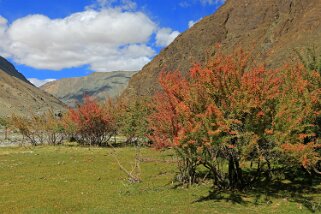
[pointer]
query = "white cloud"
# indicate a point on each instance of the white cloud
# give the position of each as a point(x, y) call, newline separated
point(3, 21)
point(3, 37)
point(119, 4)
point(211, 2)
point(191, 23)
point(184, 4)
point(38, 82)
point(189, 3)
point(107, 39)
point(165, 36)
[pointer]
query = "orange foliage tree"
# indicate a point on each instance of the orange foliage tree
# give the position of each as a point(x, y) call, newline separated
point(227, 115)
point(39, 129)
point(91, 123)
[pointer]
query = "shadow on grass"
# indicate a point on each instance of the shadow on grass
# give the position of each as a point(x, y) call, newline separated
point(295, 187)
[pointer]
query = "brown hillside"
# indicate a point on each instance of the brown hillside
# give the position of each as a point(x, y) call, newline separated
point(20, 97)
point(269, 29)
point(11, 70)
point(97, 85)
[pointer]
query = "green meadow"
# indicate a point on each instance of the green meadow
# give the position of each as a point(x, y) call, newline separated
point(70, 179)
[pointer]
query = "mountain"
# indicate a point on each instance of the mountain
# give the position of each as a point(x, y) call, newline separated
point(9, 69)
point(269, 29)
point(20, 97)
point(99, 85)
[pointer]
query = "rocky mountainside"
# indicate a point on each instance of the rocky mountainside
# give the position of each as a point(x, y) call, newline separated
point(98, 85)
point(8, 68)
point(269, 29)
point(20, 97)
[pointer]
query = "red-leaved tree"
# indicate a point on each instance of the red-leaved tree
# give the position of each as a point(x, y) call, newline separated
point(92, 123)
point(226, 116)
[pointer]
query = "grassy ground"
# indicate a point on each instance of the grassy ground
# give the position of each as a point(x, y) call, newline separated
point(81, 180)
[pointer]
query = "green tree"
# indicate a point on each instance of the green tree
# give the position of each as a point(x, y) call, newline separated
point(132, 119)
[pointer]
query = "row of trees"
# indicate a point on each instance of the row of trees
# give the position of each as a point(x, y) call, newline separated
point(90, 123)
point(39, 129)
point(241, 123)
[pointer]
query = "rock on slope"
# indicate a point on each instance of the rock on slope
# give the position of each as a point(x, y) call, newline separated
point(98, 85)
point(20, 97)
point(269, 29)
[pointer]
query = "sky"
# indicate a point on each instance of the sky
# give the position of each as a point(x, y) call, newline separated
point(52, 39)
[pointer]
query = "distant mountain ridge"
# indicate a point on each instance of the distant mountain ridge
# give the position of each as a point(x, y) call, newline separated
point(18, 96)
point(99, 85)
point(269, 29)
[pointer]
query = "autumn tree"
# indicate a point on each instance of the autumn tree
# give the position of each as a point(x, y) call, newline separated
point(93, 124)
point(224, 116)
point(29, 128)
point(52, 125)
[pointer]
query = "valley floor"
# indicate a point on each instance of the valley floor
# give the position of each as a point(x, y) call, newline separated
point(68, 179)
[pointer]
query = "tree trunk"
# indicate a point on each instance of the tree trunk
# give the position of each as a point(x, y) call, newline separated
point(235, 175)
point(6, 133)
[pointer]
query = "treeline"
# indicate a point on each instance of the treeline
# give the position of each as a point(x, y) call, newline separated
point(241, 124)
point(91, 123)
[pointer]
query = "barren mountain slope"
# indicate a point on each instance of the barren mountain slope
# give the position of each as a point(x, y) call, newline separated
point(11, 70)
point(98, 85)
point(18, 96)
point(269, 29)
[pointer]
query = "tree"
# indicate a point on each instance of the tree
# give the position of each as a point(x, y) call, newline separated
point(28, 127)
point(132, 118)
point(93, 124)
point(4, 122)
point(53, 128)
point(224, 116)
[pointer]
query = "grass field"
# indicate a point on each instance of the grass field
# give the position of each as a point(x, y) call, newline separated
point(81, 180)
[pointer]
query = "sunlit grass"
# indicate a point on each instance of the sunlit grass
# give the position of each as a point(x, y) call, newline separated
point(81, 180)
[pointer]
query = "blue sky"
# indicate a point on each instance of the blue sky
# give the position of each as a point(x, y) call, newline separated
point(53, 39)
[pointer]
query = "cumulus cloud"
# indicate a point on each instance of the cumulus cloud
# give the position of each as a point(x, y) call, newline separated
point(108, 39)
point(38, 82)
point(165, 36)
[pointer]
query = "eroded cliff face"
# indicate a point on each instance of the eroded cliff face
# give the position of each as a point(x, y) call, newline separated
point(269, 29)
